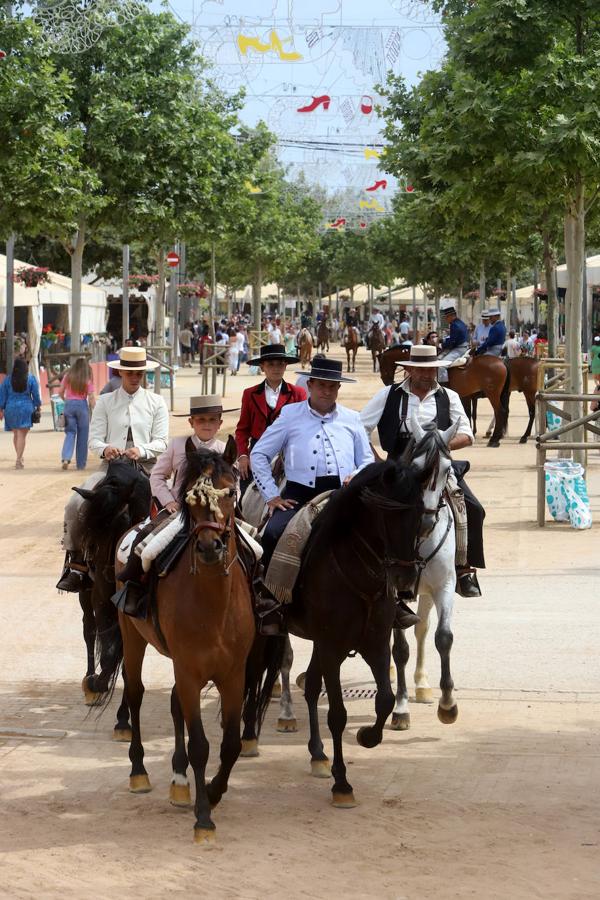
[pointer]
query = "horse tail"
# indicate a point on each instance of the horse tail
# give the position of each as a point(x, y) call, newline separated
point(109, 655)
point(262, 671)
point(505, 394)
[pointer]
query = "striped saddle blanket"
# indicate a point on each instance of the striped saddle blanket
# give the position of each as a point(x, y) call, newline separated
point(285, 563)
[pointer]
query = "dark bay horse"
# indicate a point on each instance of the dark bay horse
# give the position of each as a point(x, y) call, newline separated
point(115, 503)
point(522, 377)
point(481, 376)
point(323, 335)
point(362, 547)
point(376, 344)
point(201, 617)
point(350, 344)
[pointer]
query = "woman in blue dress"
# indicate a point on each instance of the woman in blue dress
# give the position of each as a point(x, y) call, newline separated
point(19, 397)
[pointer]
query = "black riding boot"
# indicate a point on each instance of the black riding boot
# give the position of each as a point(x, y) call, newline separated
point(74, 576)
point(130, 597)
point(268, 610)
point(467, 584)
point(405, 617)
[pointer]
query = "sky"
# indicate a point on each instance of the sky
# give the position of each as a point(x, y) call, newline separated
point(293, 55)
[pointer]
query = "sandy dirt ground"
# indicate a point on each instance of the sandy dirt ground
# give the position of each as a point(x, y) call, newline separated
point(504, 803)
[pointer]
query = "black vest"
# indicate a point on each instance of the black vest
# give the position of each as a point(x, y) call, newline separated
point(393, 431)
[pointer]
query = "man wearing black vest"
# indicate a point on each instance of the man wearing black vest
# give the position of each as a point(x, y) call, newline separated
point(391, 411)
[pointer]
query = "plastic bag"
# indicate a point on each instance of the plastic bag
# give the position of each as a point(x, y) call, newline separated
point(566, 493)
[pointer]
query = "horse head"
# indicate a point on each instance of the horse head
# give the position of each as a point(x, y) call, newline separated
point(430, 457)
point(207, 499)
point(120, 499)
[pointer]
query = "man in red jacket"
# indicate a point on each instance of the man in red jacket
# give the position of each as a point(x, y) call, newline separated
point(262, 403)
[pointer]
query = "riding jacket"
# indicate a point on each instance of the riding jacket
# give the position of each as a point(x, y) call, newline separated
point(314, 446)
point(458, 336)
point(256, 415)
point(144, 412)
point(494, 341)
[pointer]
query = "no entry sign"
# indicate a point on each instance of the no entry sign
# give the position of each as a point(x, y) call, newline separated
point(172, 259)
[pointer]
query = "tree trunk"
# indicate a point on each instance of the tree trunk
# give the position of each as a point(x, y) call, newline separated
point(77, 245)
point(482, 285)
point(257, 307)
point(159, 324)
point(461, 282)
point(574, 228)
point(552, 307)
point(507, 296)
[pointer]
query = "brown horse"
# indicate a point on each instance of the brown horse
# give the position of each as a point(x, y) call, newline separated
point(323, 335)
point(200, 616)
point(522, 377)
point(350, 344)
point(482, 375)
point(305, 347)
point(376, 344)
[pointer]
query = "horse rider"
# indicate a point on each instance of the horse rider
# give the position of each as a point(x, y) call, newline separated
point(420, 394)
point(456, 345)
point(324, 445)
point(482, 329)
point(130, 422)
point(375, 320)
point(262, 404)
point(494, 342)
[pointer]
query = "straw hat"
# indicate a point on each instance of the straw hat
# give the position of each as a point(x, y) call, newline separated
point(423, 356)
point(132, 359)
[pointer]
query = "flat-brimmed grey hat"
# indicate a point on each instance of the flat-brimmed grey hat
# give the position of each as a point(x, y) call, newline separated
point(205, 403)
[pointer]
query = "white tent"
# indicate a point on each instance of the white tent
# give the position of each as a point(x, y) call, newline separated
point(56, 292)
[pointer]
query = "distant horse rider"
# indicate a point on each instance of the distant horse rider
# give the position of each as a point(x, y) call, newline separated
point(482, 329)
point(376, 320)
point(456, 345)
point(324, 445)
point(391, 410)
point(130, 422)
point(494, 342)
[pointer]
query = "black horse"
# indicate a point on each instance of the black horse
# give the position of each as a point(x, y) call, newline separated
point(121, 499)
point(361, 549)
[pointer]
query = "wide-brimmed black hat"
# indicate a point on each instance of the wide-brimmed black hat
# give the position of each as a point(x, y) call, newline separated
point(327, 370)
point(271, 352)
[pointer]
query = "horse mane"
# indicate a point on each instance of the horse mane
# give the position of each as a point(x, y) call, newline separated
point(121, 498)
point(391, 480)
point(200, 462)
point(431, 445)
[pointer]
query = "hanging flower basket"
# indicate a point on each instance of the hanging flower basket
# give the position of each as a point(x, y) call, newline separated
point(143, 282)
point(541, 292)
point(31, 276)
point(193, 289)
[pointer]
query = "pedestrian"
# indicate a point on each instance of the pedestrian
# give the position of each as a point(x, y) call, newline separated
point(431, 339)
point(233, 353)
point(594, 357)
point(20, 404)
point(78, 392)
point(512, 346)
point(185, 340)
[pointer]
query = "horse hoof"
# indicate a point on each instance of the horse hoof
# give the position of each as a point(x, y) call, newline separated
point(343, 801)
point(448, 716)
point(204, 836)
point(424, 695)
point(301, 680)
point(287, 726)
point(367, 737)
point(122, 735)
point(493, 443)
point(276, 692)
point(89, 697)
point(179, 794)
point(139, 784)
point(249, 748)
point(523, 440)
point(320, 768)
point(400, 722)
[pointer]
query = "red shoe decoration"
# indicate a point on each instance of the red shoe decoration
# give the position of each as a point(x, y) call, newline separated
point(366, 105)
point(378, 184)
point(409, 188)
point(339, 223)
point(323, 101)
point(362, 225)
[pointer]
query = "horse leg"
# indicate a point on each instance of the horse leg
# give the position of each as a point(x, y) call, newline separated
point(89, 629)
point(232, 696)
point(423, 692)
point(401, 653)
point(527, 434)
point(134, 648)
point(500, 416)
point(378, 659)
point(313, 681)
point(474, 415)
point(188, 690)
point(491, 427)
point(342, 795)
point(447, 708)
point(122, 729)
point(179, 790)
point(250, 708)
point(354, 361)
point(287, 720)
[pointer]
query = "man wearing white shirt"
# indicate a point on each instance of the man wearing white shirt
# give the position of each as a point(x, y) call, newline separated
point(482, 329)
point(130, 422)
point(275, 335)
point(391, 411)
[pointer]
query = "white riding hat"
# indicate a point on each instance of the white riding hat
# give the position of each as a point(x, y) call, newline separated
point(494, 312)
point(132, 359)
point(447, 304)
point(423, 356)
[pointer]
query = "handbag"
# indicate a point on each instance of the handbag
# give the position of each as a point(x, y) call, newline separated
point(36, 416)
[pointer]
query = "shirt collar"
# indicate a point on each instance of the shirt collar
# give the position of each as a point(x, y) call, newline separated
point(406, 387)
point(322, 416)
point(129, 397)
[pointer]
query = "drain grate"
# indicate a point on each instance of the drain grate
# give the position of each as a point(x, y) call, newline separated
point(356, 693)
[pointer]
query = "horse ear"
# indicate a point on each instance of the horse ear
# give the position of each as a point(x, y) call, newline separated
point(190, 447)
point(230, 451)
point(449, 433)
point(83, 492)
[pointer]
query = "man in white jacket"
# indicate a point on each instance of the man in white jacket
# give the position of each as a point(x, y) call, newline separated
point(130, 422)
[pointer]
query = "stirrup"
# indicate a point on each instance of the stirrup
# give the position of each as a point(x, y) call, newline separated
point(467, 584)
point(132, 599)
point(73, 581)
